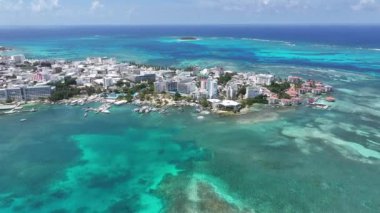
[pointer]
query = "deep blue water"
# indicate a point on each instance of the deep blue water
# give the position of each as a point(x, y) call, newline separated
point(353, 48)
point(357, 36)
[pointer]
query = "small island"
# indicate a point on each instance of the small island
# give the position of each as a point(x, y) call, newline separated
point(3, 49)
point(188, 38)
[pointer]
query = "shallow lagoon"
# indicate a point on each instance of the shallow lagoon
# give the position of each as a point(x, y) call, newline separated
point(270, 160)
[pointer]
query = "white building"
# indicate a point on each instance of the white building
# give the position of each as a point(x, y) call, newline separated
point(18, 58)
point(186, 87)
point(160, 86)
point(231, 92)
point(264, 79)
point(212, 87)
point(252, 92)
point(108, 82)
point(36, 92)
point(25, 93)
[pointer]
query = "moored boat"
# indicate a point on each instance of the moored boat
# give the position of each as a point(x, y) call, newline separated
point(330, 99)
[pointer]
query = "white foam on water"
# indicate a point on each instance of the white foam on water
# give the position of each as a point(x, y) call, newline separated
point(220, 188)
point(348, 149)
point(373, 142)
point(192, 191)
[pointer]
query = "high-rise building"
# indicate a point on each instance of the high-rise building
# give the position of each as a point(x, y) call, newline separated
point(212, 87)
point(264, 79)
point(25, 93)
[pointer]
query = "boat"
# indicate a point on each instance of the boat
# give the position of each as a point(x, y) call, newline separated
point(10, 112)
point(319, 106)
point(22, 120)
point(118, 103)
point(85, 114)
point(330, 99)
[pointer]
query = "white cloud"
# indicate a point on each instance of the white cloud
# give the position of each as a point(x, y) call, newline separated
point(366, 5)
point(96, 4)
point(6, 5)
point(44, 5)
point(253, 5)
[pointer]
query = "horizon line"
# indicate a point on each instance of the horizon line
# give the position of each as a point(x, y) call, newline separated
point(192, 25)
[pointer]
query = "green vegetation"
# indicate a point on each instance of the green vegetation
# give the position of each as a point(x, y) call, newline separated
point(9, 100)
point(204, 103)
point(261, 99)
point(92, 90)
point(65, 89)
point(189, 69)
point(177, 96)
point(280, 89)
point(242, 91)
point(284, 96)
point(225, 78)
point(298, 85)
point(127, 97)
point(147, 65)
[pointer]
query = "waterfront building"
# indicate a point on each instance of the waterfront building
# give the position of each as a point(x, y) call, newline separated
point(3, 95)
point(273, 100)
point(286, 102)
point(231, 92)
point(160, 87)
point(212, 87)
point(14, 94)
point(228, 105)
point(36, 92)
point(252, 92)
point(296, 101)
point(328, 88)
point(172, 86)
point(316, 91)
point(302, 91)
point(18, 59)
point(25, 93)
point(225, 105)
point(100, 60)
point(186, 87)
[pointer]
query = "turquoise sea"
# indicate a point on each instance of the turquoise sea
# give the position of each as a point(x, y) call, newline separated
point(269, 160)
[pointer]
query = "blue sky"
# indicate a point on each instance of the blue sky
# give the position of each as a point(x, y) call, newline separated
point(151, 12)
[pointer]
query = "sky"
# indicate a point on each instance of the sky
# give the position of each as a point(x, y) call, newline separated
point(193, 12)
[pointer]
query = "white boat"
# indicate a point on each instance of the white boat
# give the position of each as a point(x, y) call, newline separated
point(22, 120)
point(10, 112)
point(118, 103)
point(85, 114)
